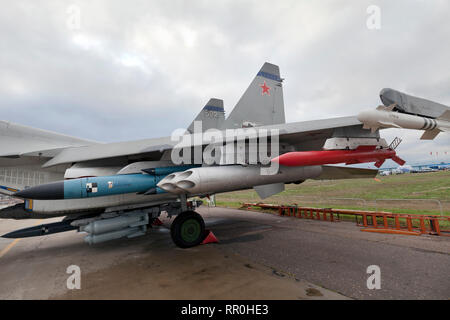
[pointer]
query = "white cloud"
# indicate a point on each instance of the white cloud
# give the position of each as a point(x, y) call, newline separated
point(147, 67)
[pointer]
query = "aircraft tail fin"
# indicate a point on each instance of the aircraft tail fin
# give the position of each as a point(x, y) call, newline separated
point(211, 116)
point(262, 102)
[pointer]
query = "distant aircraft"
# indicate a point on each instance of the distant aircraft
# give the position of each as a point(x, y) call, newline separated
point(115, 190)
point(405, 169)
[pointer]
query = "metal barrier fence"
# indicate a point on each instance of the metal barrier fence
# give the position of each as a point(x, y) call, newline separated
point(428, 205)
point(372, 221)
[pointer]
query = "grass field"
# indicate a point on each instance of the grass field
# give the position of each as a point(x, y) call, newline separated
point(418, 193)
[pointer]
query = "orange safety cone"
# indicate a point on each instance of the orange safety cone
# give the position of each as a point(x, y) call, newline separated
point(157, 222)
point(210, 238)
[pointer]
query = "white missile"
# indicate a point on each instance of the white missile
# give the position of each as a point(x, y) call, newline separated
point(384, 117)
point(209, 180)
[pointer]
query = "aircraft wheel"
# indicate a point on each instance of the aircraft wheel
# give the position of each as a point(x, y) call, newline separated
point(188, 229)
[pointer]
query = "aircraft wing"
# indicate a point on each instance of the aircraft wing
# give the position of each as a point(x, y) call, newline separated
point(19, 140)
point(307, 134)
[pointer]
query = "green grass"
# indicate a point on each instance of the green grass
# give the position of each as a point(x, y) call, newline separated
point(312, 193)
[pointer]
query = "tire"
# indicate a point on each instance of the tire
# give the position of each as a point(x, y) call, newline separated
point(188, 229)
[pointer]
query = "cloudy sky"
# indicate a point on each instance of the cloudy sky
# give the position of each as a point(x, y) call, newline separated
point(124, 70)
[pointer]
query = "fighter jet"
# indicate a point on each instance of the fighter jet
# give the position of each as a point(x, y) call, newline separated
point(117, 190)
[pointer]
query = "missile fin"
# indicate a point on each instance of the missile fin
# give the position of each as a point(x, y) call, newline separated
point(371, 128)
point(379, 163)
point(444, 116)
point(398, 160)
point(430, 135)
point(386, 108)
point(267, 190)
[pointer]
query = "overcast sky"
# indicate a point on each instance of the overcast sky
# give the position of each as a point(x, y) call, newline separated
point(125, 70)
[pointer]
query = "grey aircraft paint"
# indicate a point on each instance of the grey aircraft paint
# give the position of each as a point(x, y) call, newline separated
point(261, 105)
point(211, 116)
point(412, 105)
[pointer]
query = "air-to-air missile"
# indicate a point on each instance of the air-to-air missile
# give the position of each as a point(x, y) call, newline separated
point(127, 225)
point(101, 186)
point(404, 111)
point(98, 229)
point(209, 180)
point(361, 154)
point(41, 230)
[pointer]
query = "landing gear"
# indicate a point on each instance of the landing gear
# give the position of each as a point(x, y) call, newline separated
point(188, 229)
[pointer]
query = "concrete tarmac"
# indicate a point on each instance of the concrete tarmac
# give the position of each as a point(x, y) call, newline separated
point(260, 256)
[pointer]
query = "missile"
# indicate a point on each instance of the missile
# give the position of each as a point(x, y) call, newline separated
point(113, 224)
point(384, 117)
point(90, 187)
point(41, 230)
point(127, 225)
point(209, 180)
point(103, 237)
point(98, 228)
point(98, 186)
point(362, 154)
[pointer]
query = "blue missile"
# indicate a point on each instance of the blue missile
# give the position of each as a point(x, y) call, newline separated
point(100, 186)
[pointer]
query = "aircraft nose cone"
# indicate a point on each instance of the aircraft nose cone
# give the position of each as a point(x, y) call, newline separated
point(49, 191)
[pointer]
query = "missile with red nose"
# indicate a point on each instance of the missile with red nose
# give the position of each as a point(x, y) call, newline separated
point(361, 154)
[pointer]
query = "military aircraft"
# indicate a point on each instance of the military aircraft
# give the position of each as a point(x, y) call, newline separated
point(116, 190)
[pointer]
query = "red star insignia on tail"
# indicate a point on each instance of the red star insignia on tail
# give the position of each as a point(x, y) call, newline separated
point(265, 89)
